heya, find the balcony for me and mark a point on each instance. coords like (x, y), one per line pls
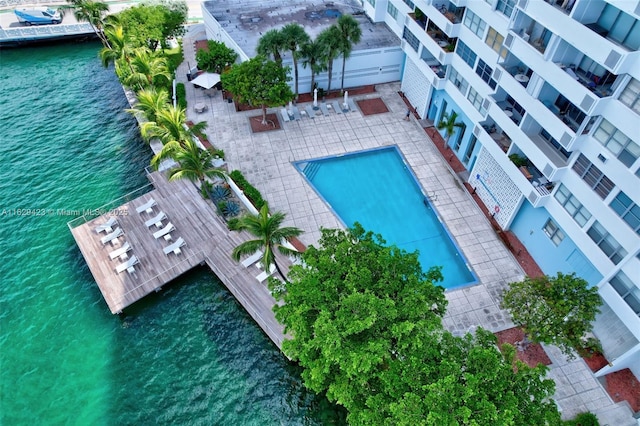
(561, 107)
(438, 69)
(448, 44)
(500, 137)
(516, 68)
(611, 23)
(509, 106)
(538, 181)
(420, 18)
(450, 11)
(532, 32)
(565, 6)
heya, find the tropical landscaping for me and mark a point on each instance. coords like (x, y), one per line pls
(365, 319)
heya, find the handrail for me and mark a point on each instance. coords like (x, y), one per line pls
(108, 207)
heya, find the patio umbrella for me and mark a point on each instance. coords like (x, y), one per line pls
(206, 80)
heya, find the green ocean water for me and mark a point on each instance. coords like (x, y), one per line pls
(187, 355)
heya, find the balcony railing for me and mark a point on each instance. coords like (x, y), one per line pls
(450, 11)
(447, 44)
(563, 5)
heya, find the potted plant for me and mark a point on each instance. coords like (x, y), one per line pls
(518, 160)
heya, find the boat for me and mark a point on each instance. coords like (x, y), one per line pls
(38, 16)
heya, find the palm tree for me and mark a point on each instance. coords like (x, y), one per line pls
(93, 12)
(295, 36)
(350, 34)
(311, 55)
(448, 123)
(271, 44)
(150, 102)
(148, 70)
(269, 236)
(330, 41)
(195, 164)
(119, 49)
(170, 126)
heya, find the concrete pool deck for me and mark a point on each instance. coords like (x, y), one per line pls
(266, 161)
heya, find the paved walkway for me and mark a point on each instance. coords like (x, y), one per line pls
(265, 159)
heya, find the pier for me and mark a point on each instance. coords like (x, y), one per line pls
(208, 241)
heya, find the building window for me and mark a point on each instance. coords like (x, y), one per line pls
(476, 100)
(372, 2)
(457, 80)
(411, 39)
(410, 4)
(555, 144)
(391, 10)
(554, 232)
(494, 41)
(629, 292)
(474, 23)
(506, 7)
(620, 145)
(485, 71)
(630, 96)
(592, 176)
(470, 148)
(609, 246)
(466, 53)
(571, 204)
(627, 210)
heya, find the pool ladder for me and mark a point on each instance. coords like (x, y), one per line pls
(431, 196)
(311, 169)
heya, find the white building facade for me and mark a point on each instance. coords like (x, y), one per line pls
(549, 94)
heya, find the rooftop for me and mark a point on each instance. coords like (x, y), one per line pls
(247, 20)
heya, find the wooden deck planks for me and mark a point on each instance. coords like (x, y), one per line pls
(207, 240)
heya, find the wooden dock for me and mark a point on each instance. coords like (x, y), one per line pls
(208, 241)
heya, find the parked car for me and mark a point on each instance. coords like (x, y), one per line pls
(38, 16)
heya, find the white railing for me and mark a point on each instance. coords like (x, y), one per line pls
(9, 4)
(44, 31)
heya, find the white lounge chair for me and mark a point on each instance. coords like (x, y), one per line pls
(337, 107)
(147, 207)
(352, 105)
(164, 232)
(106, 227)
(128, 265)
(175, 247)
(263, 276)
(112, 236)
(121, 252)
(323, 108)
(157, 220)
(252, 259)
(285, 114)
(310, 112)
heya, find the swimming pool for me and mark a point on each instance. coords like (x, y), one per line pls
(378, 189)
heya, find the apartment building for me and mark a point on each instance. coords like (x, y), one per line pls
(548, 92)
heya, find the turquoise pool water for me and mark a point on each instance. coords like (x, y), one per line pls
(379, 190)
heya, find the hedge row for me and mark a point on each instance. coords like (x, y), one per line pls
(252, 194)
(181, 95)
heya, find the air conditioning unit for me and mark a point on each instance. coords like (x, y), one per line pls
(508, 41)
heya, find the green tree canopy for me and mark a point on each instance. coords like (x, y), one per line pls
(258, 81)
(366, 326)
(271, 44)
(295, 36)
(350, 34)
(331, 44)
(152, 24)
(216, 58)
(556, 310)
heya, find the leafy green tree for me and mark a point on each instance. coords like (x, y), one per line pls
(271, 44)
(151, 25)
(149, 102)
(216, 58)
(270, 236)
(170, 126)
(148, 69)
(366, 327)
(93, 12)
(295, 36)
(311, 55)
(330, 41)
(118, 51)
(194, 163)
(258, 81)
(448, 123)
(350, 34)
(556, 310)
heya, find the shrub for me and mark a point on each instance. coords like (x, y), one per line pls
(181, 95)
(205, 189)
(249, 191)
(583, 419)
(231, 209)
(219, 193)
(218, 153)
(216, 57)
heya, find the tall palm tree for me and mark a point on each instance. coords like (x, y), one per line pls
(271, 44)
(311, 55)
(295, 36)
(269, 237)
(148, 70)
(170, 126)
(448, 123)
(330, 40)
(119, 49)
(350, 34)
(93, 12)
(195, 164)
(150, 102)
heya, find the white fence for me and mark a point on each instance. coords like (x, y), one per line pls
(43, 31)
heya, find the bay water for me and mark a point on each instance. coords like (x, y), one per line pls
(187, 355)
